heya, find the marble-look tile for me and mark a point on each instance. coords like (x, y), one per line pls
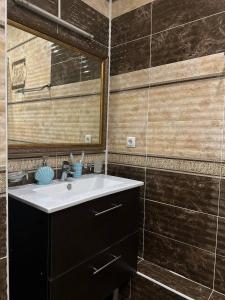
(124, 58)
(174, 281)
(220, 274)
(171, 13)
(2, 226)
(85, 17)
(128, 118)
(222, 198)
(144, 289)
(2, 63)
(198, 193)
(128, 172)
(2, 134)
(132, 25)
(193, 40)
(188, 261)
(130, 79)
(101, 6)
(186, 226)
(3, 282)
(2, 182)
(217, 296)
(185, 119)
(120, 7)
(50, 6)
(221, 237)
(187, 69)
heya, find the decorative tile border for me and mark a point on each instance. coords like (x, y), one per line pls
(15, 165)
(179, 165)
(2, 182)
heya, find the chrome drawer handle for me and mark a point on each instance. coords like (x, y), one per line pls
(107, 210)
(115, 258)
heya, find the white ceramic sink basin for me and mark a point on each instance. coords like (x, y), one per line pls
(60, 195)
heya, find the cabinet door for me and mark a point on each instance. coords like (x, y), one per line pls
(98, 277)
(82, 231)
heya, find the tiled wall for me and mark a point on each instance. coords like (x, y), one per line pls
(3, 250)
(168, 90)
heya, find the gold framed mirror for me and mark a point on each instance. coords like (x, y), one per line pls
(56, 94)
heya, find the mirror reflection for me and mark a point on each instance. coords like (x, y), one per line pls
(54, 92)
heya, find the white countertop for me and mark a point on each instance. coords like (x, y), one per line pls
(56, 196)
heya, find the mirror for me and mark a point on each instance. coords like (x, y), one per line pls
(55, 93)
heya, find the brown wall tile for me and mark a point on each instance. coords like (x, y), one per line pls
(183, 190)
(171, 13)
(132, 25)
(217, 296)
(193, 40)
(191, 262)
(221, 237)
(48, 5)
(3, 283)
(2, 226)
(220, 274)
(85, 17)
(130, 57)
(186, 226)
(222, 198)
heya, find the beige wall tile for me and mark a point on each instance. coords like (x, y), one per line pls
(128, 117)
(120, 7)
(2, 11)
(130, 79)
(185, 120)
(101, 6)
(201, 66)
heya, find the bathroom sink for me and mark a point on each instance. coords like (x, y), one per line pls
(60, 195)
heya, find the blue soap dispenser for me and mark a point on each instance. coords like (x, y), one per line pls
(45, 174)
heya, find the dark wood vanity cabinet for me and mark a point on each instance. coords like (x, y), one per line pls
(82, 252)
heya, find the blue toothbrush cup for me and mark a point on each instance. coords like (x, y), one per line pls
(78, 167)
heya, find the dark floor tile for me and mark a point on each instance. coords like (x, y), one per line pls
(222, 198)
(171, 13)
(2, 226)
(3, 282)
(140, 242)
(188, 191)
(220, 274)
(217, 296)
(48, 5)
(130, 57)
(144, 289)
(187, 226)
(132, 25)
(86, 18)
(129, 172)
(188, 261)
(178, 283)
(193, 40)
(221, 237)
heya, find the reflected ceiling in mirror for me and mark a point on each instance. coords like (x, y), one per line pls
(54, 92)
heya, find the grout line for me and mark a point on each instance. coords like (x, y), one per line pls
(184, 208)
(186, 244)
(190, 22)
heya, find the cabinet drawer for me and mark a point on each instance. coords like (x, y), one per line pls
(98, 277)
(82, 231)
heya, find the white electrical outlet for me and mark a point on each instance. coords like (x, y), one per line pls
(131, 142)
(88, 139)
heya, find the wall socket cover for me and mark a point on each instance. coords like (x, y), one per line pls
(87, 139)
(131, 142)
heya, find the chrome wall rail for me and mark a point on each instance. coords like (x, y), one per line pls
(53, 18)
